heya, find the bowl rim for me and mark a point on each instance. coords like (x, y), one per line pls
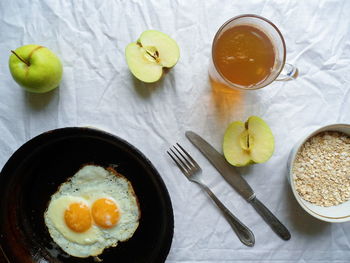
(294, 151)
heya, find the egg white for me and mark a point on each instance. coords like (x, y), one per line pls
(87, 185)
(55, 214)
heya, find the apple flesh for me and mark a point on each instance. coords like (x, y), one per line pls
(35, 68)
(152, 52)
(249, 142)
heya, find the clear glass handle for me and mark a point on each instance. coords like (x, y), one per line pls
(288, 72)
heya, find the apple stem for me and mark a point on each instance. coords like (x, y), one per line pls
(20, 58)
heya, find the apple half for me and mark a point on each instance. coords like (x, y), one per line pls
(249, 142)
(152, 52)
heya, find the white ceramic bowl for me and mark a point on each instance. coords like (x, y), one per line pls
(335, 214)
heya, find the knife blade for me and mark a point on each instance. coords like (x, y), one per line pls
(226, 170)
(237, 182)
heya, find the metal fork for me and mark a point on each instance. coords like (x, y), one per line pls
(192, 171)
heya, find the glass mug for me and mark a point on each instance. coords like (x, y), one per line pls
(249, 52)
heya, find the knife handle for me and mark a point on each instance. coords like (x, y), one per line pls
(243, 232)
(271, 219)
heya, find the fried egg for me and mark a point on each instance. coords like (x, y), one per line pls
(93, 210)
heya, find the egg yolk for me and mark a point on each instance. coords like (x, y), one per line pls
(105, 213)
(78, 217)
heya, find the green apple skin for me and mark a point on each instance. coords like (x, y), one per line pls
(248, 143)
(44, 72)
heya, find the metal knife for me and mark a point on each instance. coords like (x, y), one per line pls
(238, 183)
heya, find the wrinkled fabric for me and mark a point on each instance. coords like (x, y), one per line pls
(98, 90)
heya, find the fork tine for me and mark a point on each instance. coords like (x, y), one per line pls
(189, 156)
(184, 170)
(184, 165)
(189, 164)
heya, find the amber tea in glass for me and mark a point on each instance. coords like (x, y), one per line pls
(248, 52)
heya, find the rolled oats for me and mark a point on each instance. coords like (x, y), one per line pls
(321, 169)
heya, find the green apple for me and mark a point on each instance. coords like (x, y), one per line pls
(35, 68)
(249, 142)
(152, 52)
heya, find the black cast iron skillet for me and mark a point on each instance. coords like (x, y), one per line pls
(35, 171)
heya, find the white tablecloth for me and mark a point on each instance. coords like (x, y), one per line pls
(98, 90)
